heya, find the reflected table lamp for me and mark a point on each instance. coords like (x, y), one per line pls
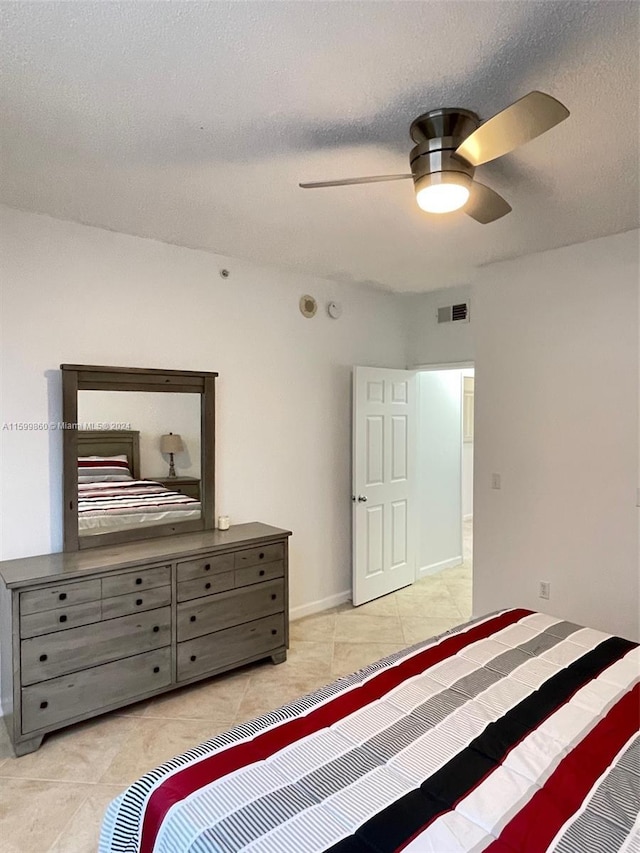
(171, 444)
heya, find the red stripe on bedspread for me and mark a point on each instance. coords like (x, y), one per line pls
(536, 825)
(208, 769)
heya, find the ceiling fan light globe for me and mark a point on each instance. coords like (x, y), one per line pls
(442, 192)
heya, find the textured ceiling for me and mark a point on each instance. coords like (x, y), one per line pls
(193, 122)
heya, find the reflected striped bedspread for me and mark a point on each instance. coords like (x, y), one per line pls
(516, 732)
(131, 496)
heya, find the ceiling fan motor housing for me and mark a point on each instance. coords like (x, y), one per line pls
(438, 133)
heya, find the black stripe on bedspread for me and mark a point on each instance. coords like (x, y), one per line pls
(393, 827)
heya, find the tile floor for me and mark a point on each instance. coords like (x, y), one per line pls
(52, 801)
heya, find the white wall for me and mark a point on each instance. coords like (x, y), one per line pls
(439, 472)
(77, 294)
(431, 342)
(556, 339)
(152, 414)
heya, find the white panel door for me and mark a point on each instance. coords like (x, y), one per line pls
(384, 439)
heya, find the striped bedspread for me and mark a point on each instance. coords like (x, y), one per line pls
(515, 733)
(130, 496)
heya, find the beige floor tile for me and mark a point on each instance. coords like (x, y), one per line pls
(417, 630)
(320, 626)
(459, 587)
(79, 753)
(440, 605)
(361, 628)
(265, 694)
(154, 741)
(33, 813)
(6, 750)
(424, 586)
(136, 710)
(304, 657)
(217, 698)
(349, 657)
(384, 606)
(81, 833)
(463, 573)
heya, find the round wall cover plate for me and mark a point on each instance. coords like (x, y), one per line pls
(308, 306)
(334, 309)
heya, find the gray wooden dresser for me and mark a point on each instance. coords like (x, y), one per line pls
(87, 632)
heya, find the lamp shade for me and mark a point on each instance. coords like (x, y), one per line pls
(171, 443)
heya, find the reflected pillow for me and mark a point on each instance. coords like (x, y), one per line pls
(103, 469)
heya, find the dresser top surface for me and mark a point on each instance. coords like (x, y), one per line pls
(65, 565)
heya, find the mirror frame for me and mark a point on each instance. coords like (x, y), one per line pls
(85, 377)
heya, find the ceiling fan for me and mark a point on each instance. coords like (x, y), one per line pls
(451, 143)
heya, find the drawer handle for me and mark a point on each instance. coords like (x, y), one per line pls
(63, 618)
(207, 566)
(43, 658)
(192, 619)
(193, 657)
(138, 581)
(207, 586)
(62, 596)
(274, 631)
(156, 669)
(44, 705)
(261, 572)
(273, 596)
(156, 628)
(261, 555)
(138, 601)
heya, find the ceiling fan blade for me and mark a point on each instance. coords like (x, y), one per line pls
(520, 123)
(345, 182)
(485, 205)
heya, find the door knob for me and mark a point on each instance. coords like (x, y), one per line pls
(362, 499)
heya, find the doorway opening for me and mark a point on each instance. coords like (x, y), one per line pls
(444, 500)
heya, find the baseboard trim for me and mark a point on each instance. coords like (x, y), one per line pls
(318, 606)
(434, 568)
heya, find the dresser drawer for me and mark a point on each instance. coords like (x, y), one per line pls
(135, 581)
(59, 619)
(204, 566)
(256, 556)
(59, 595)
(229, 608)
(259, 573)
(68, 651)
(230, 646)
(135, 602)
(205, 586)
(93, 689)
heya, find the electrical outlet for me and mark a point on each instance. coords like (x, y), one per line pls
(495, 481)
(545, 590)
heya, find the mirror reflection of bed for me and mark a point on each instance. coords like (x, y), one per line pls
(113, 493)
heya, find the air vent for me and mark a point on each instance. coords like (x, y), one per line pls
(454, 313)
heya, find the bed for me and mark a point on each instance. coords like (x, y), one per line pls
(517, 731)
(111, 494)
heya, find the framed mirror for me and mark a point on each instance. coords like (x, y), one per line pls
(138, 453)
